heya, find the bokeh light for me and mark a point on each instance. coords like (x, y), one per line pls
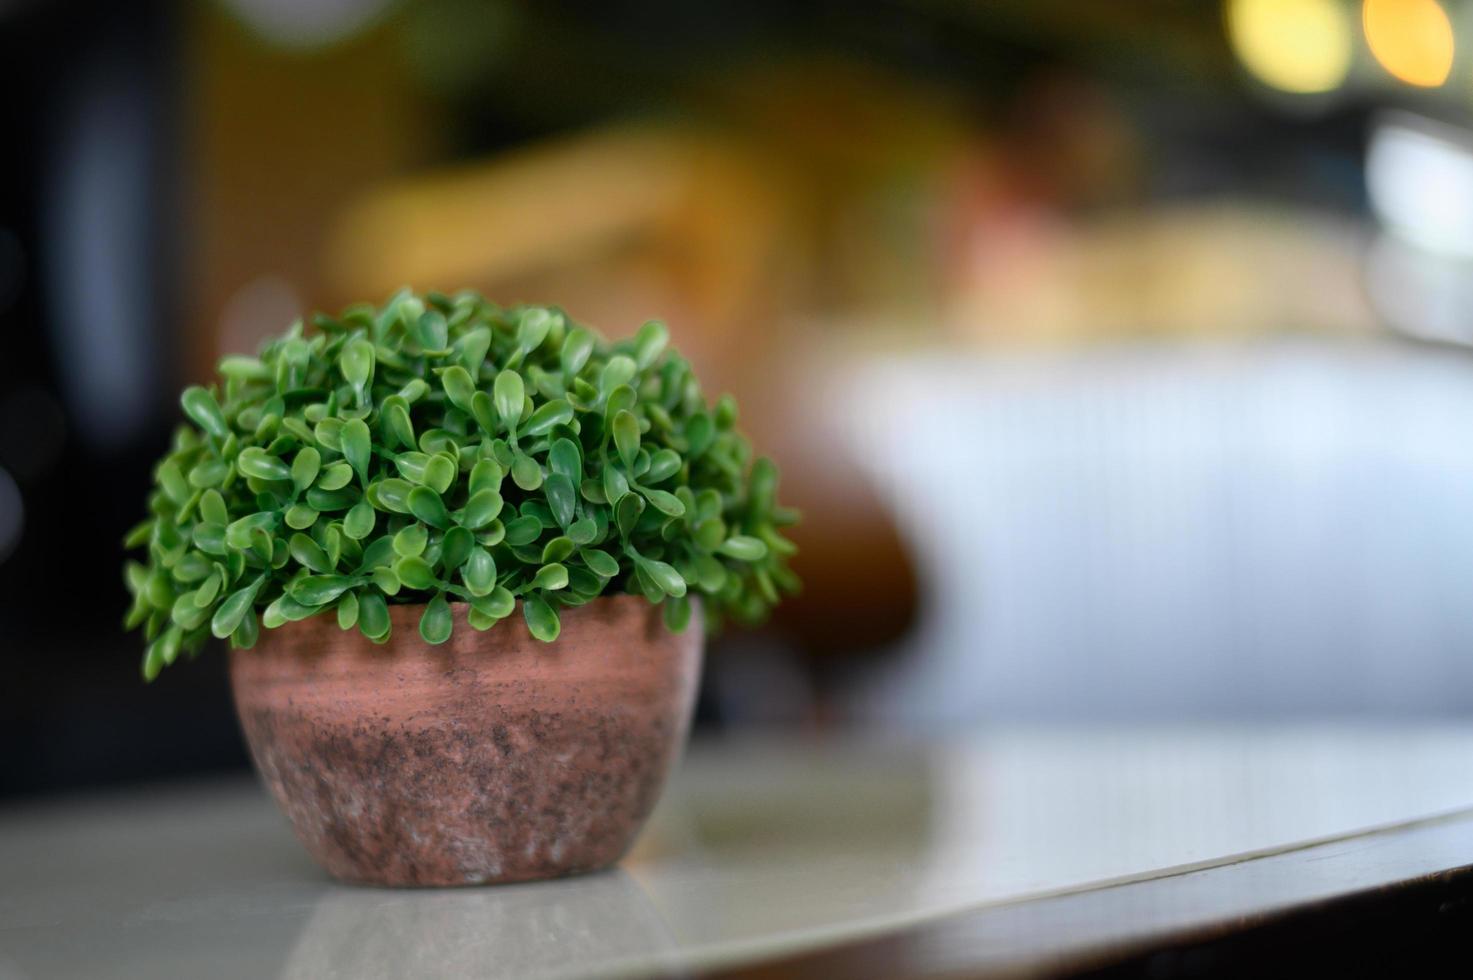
(1301, 46)
(1412, 39)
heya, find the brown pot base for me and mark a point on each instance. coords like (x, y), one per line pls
(490, 758)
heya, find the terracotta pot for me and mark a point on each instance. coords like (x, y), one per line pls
(490, 758)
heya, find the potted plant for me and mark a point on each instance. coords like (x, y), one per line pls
(463, 556)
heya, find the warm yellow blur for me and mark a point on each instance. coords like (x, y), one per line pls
(1301, 46)
(1412, 39)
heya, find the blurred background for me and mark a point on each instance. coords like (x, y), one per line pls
(1117, 353)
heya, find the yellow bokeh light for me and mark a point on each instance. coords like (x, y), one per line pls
(1294, 45)
(1413, 39)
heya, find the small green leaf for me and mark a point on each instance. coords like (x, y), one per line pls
(557, 549)
(481, 509)
(317, 590)
(479, 620)
(554, 413)
(577, 347)
(187, 613)
(238, 532)
(626, 436)
(153, 660)
(525, 473)
(356, 364)
(473, 346)
(329, 434)
(601, 563)
(230, 612)
(411, 540)
(523, 530)
(414, 389)
(209, 538)
(533, 329)
(335, 476)
(357, 446)
(202, 408)
(744, 548)
(459, 387)
(431, 331)
(583, 531)
(379, 551)
(622, 398)
(665, 503)
(493, 534)
(551, 577)
(487, 474)
(564, 457)
(583, 583)
(300, 517)
(212, 508)
(391, 494)
(240, 368)
(205, 594)
(663, 465)
(627, 513)
(395, 414)
(711, 575)
(285, 609)
(650, 343)
(247, 632)
(358, 524)
(542, 620)
(479, 572)
(497, 604)
(331, 501)
(373, 615)
(648, 587)
(699, 433)
(509, 394)
(562, 498)
(619, 370)
(725, 414)
(309, 554)
(483, 411)
(411, 465)
(386, 580)
(616, 485)
(209, 473)
(455, 548)
(709, 534)
(439, 472)
(436, 622)
(426, 505)
(664, 575)
(348, 611)
(255, 462)
(415, 573)
(677, 614)
(305, 467)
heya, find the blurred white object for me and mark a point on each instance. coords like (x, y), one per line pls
(1419, 273)
(1269, 529)
(1419, 175)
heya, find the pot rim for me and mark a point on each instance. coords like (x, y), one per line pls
(631, 612)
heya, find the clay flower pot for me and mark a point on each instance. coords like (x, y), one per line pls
(490, 758)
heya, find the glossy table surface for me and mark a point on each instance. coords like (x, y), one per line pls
(762, 847)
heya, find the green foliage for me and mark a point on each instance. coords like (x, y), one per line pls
(442, 449)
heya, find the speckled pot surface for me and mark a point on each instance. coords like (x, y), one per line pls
(490, 758)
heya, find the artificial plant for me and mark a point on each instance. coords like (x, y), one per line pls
(442, 448)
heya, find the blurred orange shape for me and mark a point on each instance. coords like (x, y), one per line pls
(1412, 39)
